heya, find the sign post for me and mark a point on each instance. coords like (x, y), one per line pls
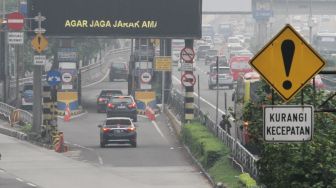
(39, 59)
(288, 123)
(15, 22)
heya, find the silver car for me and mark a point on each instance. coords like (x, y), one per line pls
(224, 77)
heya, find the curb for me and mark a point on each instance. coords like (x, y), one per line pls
(23, 136)
(200, 166)
(177, 128)
(177, 125)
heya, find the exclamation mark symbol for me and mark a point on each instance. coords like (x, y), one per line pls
(39, 42)
(287, 50)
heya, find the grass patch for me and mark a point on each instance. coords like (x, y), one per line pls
(211, 153)
(27, 128)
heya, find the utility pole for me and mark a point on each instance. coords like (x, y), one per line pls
(217, 90)
(37, 88)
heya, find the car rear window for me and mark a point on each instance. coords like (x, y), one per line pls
(121, 100)
(28, 87)
(118, 123)
(212, 52)
(221, 70)
(119, 65)
(111, 93)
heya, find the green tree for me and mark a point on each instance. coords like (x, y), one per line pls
(311, 164)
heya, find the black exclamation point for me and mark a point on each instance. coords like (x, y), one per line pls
(287, 50)
(39, 42)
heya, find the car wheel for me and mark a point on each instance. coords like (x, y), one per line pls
(102, 144)
(134, 144)
(135, 118)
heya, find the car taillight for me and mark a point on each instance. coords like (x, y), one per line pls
(110, 105)
(131, 129)
(101, 99)
(106, 130)
(133, 105)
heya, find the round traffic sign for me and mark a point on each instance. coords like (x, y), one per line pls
(188, 79)
(146, 77)
(188, 55)
(15, 21)
(66, 77)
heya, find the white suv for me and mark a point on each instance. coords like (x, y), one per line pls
(224, 77)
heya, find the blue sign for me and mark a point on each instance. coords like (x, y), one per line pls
(53, 77)
(262, 10)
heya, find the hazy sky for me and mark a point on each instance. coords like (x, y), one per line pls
(227, 5)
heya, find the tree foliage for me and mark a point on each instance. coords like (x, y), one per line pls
(311, 164)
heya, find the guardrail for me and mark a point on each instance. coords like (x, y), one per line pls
(238, 151)
(95, 71)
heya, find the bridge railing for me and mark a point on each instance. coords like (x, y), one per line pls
(238, 151)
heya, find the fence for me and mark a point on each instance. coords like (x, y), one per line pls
(238, 151)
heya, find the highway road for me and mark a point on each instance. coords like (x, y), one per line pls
(158, 161)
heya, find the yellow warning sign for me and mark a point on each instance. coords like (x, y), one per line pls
(163, 63)
(39, 43)
(287, 62)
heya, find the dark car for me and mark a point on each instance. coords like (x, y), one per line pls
(122, 106)
(211, 56)
(118, 71)
(104, 97)
(118, 130)
(27, 96)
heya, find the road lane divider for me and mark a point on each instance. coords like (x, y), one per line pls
(159, 130)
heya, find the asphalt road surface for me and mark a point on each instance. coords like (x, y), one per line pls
(158, 161)
(8, 180)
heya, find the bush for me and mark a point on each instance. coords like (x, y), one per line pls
(26, 128)
(212, 154)
(246, 180)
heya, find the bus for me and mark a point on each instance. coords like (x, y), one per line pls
(239, 66)
(246, 91)
(208, 30)
(325, 43)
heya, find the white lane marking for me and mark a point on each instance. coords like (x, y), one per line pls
(2, 171)
(158, 130)
(202, 99)
(33, 185)
(21, 180)
(100, 160)
(106, 75)
(90, 149)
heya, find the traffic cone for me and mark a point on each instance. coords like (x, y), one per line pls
(151, 114)
(67, 114)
